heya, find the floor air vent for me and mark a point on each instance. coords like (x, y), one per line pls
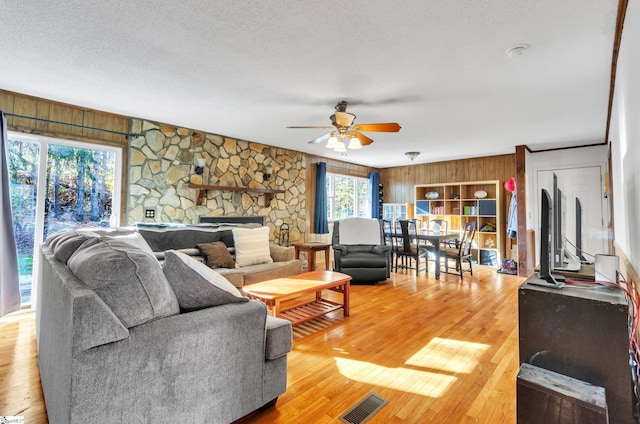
(364, 410)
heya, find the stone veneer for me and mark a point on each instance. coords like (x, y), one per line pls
(161, 164)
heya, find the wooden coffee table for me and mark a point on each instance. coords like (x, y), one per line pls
(274, 292)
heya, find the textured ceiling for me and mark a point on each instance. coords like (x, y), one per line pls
(250, 69)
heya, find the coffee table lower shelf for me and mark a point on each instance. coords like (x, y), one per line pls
(309, 311)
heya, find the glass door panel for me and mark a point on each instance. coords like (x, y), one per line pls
(24, 159)
(79, 188)
(57, 186)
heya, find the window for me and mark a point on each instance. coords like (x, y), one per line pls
(347, 196)
(58, 185)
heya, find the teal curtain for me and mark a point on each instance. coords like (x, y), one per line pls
(374, 186)
(320, 221)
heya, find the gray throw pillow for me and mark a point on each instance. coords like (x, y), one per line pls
(196, 285)
(217, 255)
(127, 278)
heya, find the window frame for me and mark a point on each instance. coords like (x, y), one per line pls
(331, 203)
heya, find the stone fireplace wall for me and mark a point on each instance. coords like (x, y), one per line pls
(162, 162)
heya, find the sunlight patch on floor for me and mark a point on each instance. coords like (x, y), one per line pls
(429, 372)
(454, 356)
(422, 383)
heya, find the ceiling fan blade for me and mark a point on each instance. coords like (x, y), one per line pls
(364, 140)
(320, 139)
(322, 128)
(388, 127)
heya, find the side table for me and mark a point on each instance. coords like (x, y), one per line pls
(311, 247)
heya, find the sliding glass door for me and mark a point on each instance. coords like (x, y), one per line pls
(58, 185)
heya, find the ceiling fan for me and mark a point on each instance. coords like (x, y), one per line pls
(344, 130)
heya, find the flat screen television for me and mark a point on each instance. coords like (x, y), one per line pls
(562, 259)
(579, 253)
(546, 244)
(557, 224)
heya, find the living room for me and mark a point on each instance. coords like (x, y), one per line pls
(230, 161)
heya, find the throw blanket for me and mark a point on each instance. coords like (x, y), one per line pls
(359, 231)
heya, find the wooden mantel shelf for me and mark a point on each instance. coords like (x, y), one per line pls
(201, 191)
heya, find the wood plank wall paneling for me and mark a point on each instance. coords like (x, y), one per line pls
(335, 166)
(525, 262)
(399, 182)
(21, 104)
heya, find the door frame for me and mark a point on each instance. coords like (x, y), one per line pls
(44, 143)
(537, 186)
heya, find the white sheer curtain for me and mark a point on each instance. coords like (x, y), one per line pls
(9, 276)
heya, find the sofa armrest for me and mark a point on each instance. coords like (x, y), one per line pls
(340, 249)
(381, 249)
(279, 337)
(281, 253)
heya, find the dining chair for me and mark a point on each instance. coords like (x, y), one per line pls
(437, 226)
(390, 238)
(407, 249)
(461, 252)
(397, 242)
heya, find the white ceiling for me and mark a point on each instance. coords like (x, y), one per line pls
(249, 69)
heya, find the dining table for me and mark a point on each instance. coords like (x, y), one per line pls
(434, 239)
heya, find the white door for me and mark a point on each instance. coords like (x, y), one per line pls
(585, 184)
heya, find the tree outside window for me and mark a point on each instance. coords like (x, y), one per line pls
(347, 196)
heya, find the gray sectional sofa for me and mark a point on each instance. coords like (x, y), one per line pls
(122, 338)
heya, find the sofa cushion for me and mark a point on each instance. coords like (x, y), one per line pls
(195, 252)
(136, 240)
(59, 237)
(282, 253)
(197, 286)
(216, 255)
(128, 279)
(252, 246)
(63, 248)
(233, 275)
(183, 238)
(363, 260)
(262, 272)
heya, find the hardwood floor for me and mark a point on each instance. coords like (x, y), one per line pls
(439, 351)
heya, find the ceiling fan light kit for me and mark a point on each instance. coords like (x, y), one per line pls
(343, 119)
(347, 132)
(340, 147)
(412, 155)
(355, 143)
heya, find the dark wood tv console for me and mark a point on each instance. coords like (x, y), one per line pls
(581, 332)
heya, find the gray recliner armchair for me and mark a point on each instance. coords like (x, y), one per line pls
(360, 251)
